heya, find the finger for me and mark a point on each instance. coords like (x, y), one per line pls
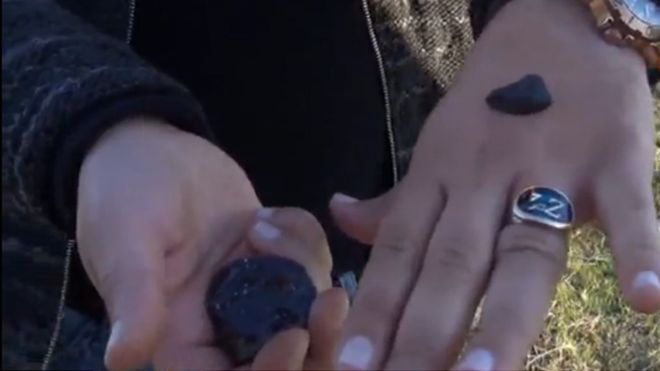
(360, 219)
(389, 275)
(269, 238)
(451, 282)
(529, 262)
(286, 351)
(129, 275)
(624, 203)
(300, 224)
(326, 319)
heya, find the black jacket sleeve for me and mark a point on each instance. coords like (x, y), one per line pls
(63, 84)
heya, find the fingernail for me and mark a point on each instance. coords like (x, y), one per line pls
(356, 353)
(266, 231)
(478, 360)
(645, 279)
(344, 199)
(265, 213)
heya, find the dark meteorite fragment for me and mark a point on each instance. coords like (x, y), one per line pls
(524, 97)
(252, 299)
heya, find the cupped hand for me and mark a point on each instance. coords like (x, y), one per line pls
(159, 212)
(443, 237)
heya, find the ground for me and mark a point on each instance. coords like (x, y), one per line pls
(589, 327)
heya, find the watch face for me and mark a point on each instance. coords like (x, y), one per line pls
(648, 11)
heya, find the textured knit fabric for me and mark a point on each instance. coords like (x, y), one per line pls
(56, 70)
(423, 44)
(59, 75)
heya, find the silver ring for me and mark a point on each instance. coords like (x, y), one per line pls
(544, 206)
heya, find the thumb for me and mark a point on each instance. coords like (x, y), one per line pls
(360, 219)
(132, 286)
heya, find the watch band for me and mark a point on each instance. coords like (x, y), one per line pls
(611, 29)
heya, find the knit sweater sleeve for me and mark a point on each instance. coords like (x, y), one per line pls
(64, 83)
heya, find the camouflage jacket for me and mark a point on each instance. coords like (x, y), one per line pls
(63, 59)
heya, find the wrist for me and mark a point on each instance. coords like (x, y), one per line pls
(156, 143)
(138, 127)
(142, 140)
(561, 31)
(135, 132)
(549, 20)
(543, 8)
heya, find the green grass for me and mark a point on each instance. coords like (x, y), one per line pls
(589, 326)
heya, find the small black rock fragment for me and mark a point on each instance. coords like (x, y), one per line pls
(252, 299)
(526, 96)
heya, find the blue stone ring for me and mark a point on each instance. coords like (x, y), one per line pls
(545, 206)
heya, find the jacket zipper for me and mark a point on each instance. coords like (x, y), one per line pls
(385, 90)
(70, 245)
(72, 242)
(131, 21)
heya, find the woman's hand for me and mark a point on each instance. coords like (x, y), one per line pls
(443, 238)
(159, 212)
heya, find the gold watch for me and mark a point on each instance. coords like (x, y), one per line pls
(634, 23)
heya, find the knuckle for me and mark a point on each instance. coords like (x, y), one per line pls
(460, 252)
(397, 248)
(513, 330)
(535, 242)
(302, 221)
(305, 217)
(398, 238)
(308, 227)
(380, 301)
